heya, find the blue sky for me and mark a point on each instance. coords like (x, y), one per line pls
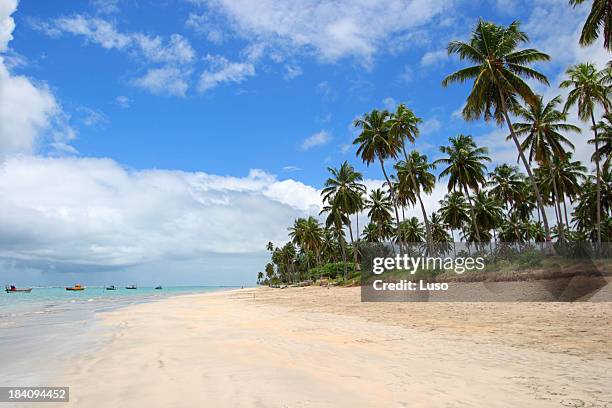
(216, 104)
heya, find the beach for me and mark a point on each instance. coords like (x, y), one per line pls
(320, 347)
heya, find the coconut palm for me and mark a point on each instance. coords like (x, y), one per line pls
(344, 188)
(487, 210)
(306, 233)
(543, 140)
(567, 176)
(335, 221)
(599, 17)
(604, 131)
(465, 168)
(498, 79)
(587, 92)
(505, 182)
(403, 124)
(371, 233)
(376, 143)
(454, 211)
(410, 231)
(379, 206)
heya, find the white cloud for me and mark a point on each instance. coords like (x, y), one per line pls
(221, 71)
(106, 6)
(175, 53)
(407, 74)
(318, 139)
(164, 81)
(123, 101)
(91, 117)
(434, 57)
(288, 169)
(73, 212)
(330, 31)
(176, 49)
(389, 103)
(28, 110)
(7, 24)
(292, 71)
(430, 126)
(203, 24)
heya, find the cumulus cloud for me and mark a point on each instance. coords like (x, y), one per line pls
(69, 212)
(221, 70)
(318, 139)
(330, 31)
(7, 24)
(21, 129)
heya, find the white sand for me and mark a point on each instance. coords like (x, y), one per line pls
(315, 347)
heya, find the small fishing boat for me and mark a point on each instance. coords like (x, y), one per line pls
(13, 289)
(158, 287)
(76, 287)
(111, 287)
(131, 287)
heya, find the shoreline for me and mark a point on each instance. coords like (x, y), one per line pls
(320, 347)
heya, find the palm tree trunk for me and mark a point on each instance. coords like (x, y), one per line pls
(534, 185)
(560, 226)
(352, 243)
(565, 211)
(393, 197)
(417, 191)
(467, 194)
(598, 174)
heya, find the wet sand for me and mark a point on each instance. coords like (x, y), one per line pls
(319, 347)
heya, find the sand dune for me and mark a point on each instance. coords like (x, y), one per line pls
(317, 347)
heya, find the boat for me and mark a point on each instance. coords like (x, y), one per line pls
(111, 287)
(76, 287)
(158, 287)
(13, 289)
(131, 287)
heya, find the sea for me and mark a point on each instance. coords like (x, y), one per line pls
(40, 330)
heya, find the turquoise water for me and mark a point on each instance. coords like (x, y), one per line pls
(41, 330)
(14, 307)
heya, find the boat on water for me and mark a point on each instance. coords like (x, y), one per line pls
(13, 289)
(111, 287)
(76, 287)
(131, 287)
(158, 287)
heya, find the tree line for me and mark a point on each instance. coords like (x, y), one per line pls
(481, 205)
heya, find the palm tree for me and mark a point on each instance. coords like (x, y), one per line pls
(410, 231)
(505, 182)
(344, 188)
(306, 233)
(487, 210)
(376, 143)
(379, 206)
(604, 131)
(544, 141)
(335, 221)
(454, 211)
(568, 175)
(600, 16)
(465, 168)
(588, 91)
(403, 124)
(371, 233)
(498, 79)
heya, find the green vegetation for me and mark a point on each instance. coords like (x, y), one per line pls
(482, 206)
